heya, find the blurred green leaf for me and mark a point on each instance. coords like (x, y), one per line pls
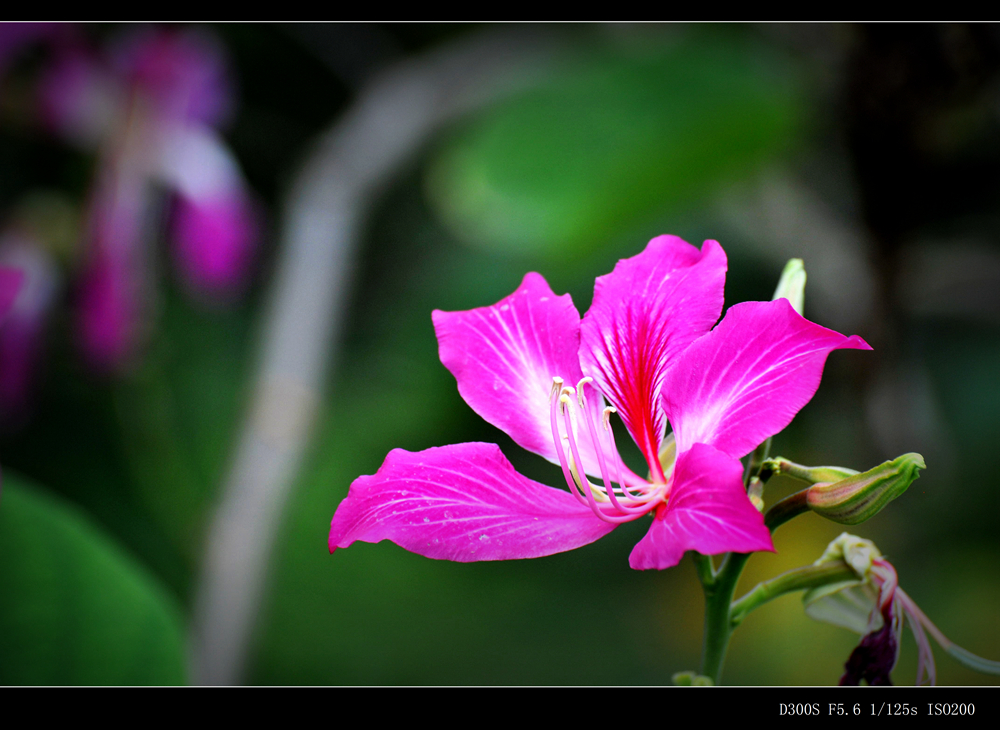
(616, 138)
(74, 608)
(178, 415)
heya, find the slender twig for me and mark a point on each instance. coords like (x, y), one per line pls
(781, 512)
(810, 576)
(323, 217)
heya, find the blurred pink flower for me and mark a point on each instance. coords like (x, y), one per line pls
(184, 74)
(23, 319)
(148, 107)
(110, 312)
(210, 242)
(646, 345)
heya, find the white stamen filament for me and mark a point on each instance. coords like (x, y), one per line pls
(599, 448)
(557, 439)
(572, 465)
(640, 498)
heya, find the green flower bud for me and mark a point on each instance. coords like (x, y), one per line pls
(810, 474)
(860, 496)
(792, 284)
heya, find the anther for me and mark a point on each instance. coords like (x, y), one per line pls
(579, 390)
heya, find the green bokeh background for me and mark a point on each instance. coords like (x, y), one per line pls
(109, 487)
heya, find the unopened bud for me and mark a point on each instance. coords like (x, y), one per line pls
(810, 474)
(853, 500)
(792, 284)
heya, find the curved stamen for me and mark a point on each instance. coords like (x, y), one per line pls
(618, 459)
(557, 387)
(910, 606)
(588, 489)
(925, 656)
(600, 453)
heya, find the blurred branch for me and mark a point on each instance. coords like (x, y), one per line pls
(323, 220)
(788, 220)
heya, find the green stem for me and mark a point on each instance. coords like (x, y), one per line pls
(718, 624)
(809, 576)
(706, 571)
(757, 458)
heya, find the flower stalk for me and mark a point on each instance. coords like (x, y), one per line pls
(804, 578)
(718, 622)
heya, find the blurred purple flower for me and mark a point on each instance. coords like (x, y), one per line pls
(214, 225)
(184, 74)
(148, 107)
(27, 289)
(210, 242)
(111, 299)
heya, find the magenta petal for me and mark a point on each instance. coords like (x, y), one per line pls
(215, 242)
(109, 314)
(747, 378)
(505, 356)
(462, 502)
(645, 313)
(708, 511)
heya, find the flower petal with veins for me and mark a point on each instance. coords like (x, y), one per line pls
(645, 314)
(463, 502)
(707, 511)
(746, 379)
(505, 356)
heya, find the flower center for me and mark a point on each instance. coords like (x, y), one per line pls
(610, 503)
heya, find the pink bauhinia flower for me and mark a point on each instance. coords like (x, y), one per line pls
(531, 367)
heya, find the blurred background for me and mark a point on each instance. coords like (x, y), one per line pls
(233, 238)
